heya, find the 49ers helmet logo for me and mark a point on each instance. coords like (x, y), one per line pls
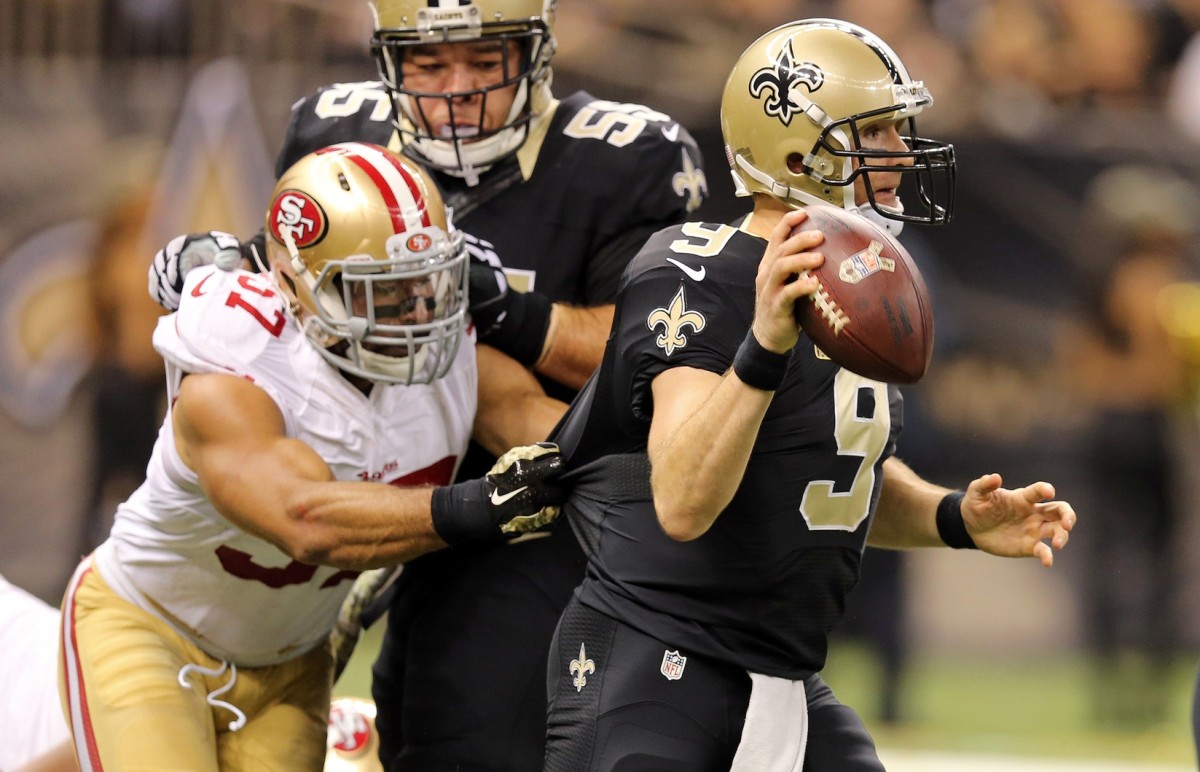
(297, 214)
(419, 242)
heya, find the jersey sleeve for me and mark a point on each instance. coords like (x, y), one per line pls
(235, 323)
(340, 112)
(666, 319)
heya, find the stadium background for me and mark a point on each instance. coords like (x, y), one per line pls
(102, 101)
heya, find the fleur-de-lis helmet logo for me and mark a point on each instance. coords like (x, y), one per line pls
(774, 84)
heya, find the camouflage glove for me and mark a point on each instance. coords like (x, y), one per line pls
(344, 635)
(516, 496)
(182, 254)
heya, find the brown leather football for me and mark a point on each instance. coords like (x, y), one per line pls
(872, 314)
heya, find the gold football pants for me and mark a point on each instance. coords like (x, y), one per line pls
(119, 677)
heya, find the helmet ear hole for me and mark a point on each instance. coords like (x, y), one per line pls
(795, 163)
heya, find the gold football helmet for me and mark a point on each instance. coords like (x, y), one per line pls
(793, 108)
(401, 25)
(359, 240)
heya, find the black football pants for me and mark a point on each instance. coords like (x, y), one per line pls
(460, 682)
(620, 714)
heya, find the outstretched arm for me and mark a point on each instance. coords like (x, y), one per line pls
(1021, 522)
(231, 433)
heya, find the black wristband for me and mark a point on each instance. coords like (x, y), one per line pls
(521, 333)
(460, 512)
(758, 367)
(950, 524)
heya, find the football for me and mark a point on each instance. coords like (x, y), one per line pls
(872, 313)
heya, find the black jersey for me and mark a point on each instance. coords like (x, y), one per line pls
(765, 585)
(607, 175)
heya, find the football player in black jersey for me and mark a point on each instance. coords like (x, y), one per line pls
(728, 474)
(563, 192)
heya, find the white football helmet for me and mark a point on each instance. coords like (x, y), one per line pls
(360, 241)
(792, 110)
(401, 25)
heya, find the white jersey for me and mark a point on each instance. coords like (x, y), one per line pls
(171, 552)
(31, 715)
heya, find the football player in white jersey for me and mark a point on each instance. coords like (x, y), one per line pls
(314, 407)
(562, 190)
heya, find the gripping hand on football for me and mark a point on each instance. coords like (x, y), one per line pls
(514, 322)
(1021, 522)
(517, 495)
(183, 253)
(783, 279)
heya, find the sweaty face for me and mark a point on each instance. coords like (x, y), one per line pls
(465, 82)
(882, 135)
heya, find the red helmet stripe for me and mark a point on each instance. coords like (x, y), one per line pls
(399, 190)
(413, 188)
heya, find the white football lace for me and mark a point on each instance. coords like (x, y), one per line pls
(211, 697)
(828, 308)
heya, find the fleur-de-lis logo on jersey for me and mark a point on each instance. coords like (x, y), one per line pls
(673, 319)
(778, 81)
(690, 182)
(580, 668)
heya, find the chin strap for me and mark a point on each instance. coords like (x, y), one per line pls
(893, 227)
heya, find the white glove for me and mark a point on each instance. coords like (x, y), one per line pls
(182, 254)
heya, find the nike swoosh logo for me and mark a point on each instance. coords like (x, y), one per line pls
(695, 274)
(196, 290)
(498, 499)
(671, 132)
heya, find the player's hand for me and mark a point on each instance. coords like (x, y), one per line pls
(514, 322)
(488, 293)
(782, 280)
(1023, 522)
(517, 495)
(523, 495)
(183, 253)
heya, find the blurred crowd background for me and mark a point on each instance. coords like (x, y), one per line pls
(1068, 325)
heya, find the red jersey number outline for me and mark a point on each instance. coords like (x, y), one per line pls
(258, 286)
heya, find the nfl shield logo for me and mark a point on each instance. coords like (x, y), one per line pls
(672, 665)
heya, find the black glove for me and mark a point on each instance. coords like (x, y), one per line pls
(515, 496)
(183, 253)
(514, 322)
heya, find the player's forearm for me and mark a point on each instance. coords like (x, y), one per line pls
(574, 343)
(523, 421)
(907, 508)
(513, 408)
(697, 468)
(357, 526)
